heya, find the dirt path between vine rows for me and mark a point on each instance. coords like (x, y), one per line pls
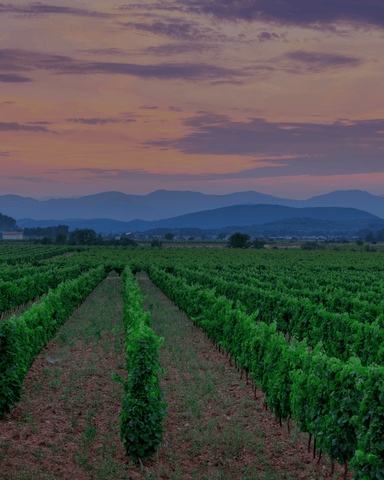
(215, 429)
(67, 423)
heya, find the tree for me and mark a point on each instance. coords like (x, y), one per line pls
(47, 240)
(156, 242)
(61, 238)
(128, 242)
(239, 240)
(309, 246)
(257, 243)
(169, 236)
(85, 236)
(370, 236)
(360, 242)
(221, 236)
(380, 235)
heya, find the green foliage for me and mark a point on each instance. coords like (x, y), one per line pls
(156, 242)
(47, 241)
(312, 246)
(125, 241)
(317, 390)
(61, 238)
(45, 232)
(85, 236)
(238, 240)
(143, 409)
(169, 236)
(22, 338)
(257, 243)
(7, 223)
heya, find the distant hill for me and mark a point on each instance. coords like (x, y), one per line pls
(163, 204)
(252, 215)
(239, 215)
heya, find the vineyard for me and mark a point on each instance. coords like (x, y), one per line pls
(303, 328)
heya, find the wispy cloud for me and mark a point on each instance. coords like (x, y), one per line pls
(5, 154)
(293, 62)
(175, 29)
(10, 78)
(38, 9)
(309, 165)
(16, 127)
(169, 49)
(320, 15)
(103, 51)
(59, 64)
(39, 123)
(99, 121)
(219, 135)
(32, 179)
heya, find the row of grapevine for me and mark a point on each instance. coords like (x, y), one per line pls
(364, 302)
(143, 409)
(22, 338)
(342, 336)
(21, 291)
(339, 403)
(27, 254)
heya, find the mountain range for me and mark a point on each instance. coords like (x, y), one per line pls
(163, 204)
(219, 218)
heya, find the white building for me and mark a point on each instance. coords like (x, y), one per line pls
(12, 235)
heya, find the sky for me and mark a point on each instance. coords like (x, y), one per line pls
(283, 97)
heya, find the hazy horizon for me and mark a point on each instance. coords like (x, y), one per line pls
(48, 197)
(280, 97)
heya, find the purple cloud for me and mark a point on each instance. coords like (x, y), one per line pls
(180, 49)
(11, 78)
(319, 15)
(103, 51)
(38, 8)
(16, 127)
(99, 121)
(298, 62)
(39, 123)
(361, 140)
(174, 29)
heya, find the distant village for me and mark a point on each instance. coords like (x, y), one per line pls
(19, 235)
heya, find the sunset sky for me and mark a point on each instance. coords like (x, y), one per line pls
(284, 97)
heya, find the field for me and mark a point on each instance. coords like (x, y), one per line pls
(271, 362)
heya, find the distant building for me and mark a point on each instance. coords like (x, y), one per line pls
(12, 235)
